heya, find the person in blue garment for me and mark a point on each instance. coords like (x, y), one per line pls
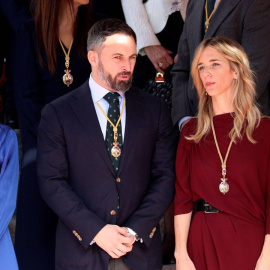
(59, 28)
(9, 173)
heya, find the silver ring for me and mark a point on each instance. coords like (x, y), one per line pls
(160, 64)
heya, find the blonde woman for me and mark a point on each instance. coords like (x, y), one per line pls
(223, 163)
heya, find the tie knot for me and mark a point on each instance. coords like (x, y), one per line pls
(112, 97)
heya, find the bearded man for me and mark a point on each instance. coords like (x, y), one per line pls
(106, 162)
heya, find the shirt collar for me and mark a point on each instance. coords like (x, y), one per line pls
(98, 92)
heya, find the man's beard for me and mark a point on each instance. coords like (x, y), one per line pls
(113, 83)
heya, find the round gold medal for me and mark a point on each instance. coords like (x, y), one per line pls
(116, 151)
(67, 79)
(224, 187)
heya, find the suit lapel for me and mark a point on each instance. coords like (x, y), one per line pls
(197, 20)
(134, 112)
(223, 10)
(84, 109)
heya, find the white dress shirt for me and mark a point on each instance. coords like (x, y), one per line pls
(98, 92)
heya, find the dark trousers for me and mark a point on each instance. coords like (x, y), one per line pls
(118, 264)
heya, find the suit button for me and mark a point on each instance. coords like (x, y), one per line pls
(113, 212)
(118, 180)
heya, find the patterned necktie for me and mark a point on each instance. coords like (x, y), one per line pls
(113, 114)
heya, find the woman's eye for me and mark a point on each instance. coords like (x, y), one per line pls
(201, 68)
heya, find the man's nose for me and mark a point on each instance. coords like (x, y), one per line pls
(126, 65)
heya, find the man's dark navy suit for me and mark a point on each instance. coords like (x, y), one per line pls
(79, 183)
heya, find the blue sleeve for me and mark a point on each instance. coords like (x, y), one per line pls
(9, 163)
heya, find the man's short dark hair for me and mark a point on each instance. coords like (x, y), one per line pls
(105, 28)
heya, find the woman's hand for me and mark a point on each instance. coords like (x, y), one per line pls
(159, 56)
(263, 263)
(181, 227)
(184, 264)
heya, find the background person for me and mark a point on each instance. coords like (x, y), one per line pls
(39, 66)
(9, 164)
(245, 21)
(158, 25)
(223, 159)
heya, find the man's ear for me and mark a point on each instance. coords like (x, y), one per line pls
(92, 58)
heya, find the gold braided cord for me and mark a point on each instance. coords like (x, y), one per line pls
(208, 19)
(114, 126)
(223, 162)
(66, 53)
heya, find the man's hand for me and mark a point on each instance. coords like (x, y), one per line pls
(114, 240)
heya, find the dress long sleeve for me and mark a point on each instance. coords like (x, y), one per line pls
(8, 176)
(183, 198)
(267, 198)
(137, 19)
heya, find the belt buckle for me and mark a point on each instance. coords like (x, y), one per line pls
(205, 205)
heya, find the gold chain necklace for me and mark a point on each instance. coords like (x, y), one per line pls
(115, 151)
(67, 78)
(208, 18)
(223, 186)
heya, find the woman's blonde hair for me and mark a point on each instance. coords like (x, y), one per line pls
(247, 115)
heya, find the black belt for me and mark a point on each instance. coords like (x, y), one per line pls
(202, 205)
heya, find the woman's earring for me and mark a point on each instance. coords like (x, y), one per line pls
(206, 93)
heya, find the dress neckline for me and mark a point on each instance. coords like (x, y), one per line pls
(224, 120)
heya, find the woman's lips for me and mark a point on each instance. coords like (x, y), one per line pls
(209, 84)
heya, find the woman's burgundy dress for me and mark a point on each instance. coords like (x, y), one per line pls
(233, 238)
